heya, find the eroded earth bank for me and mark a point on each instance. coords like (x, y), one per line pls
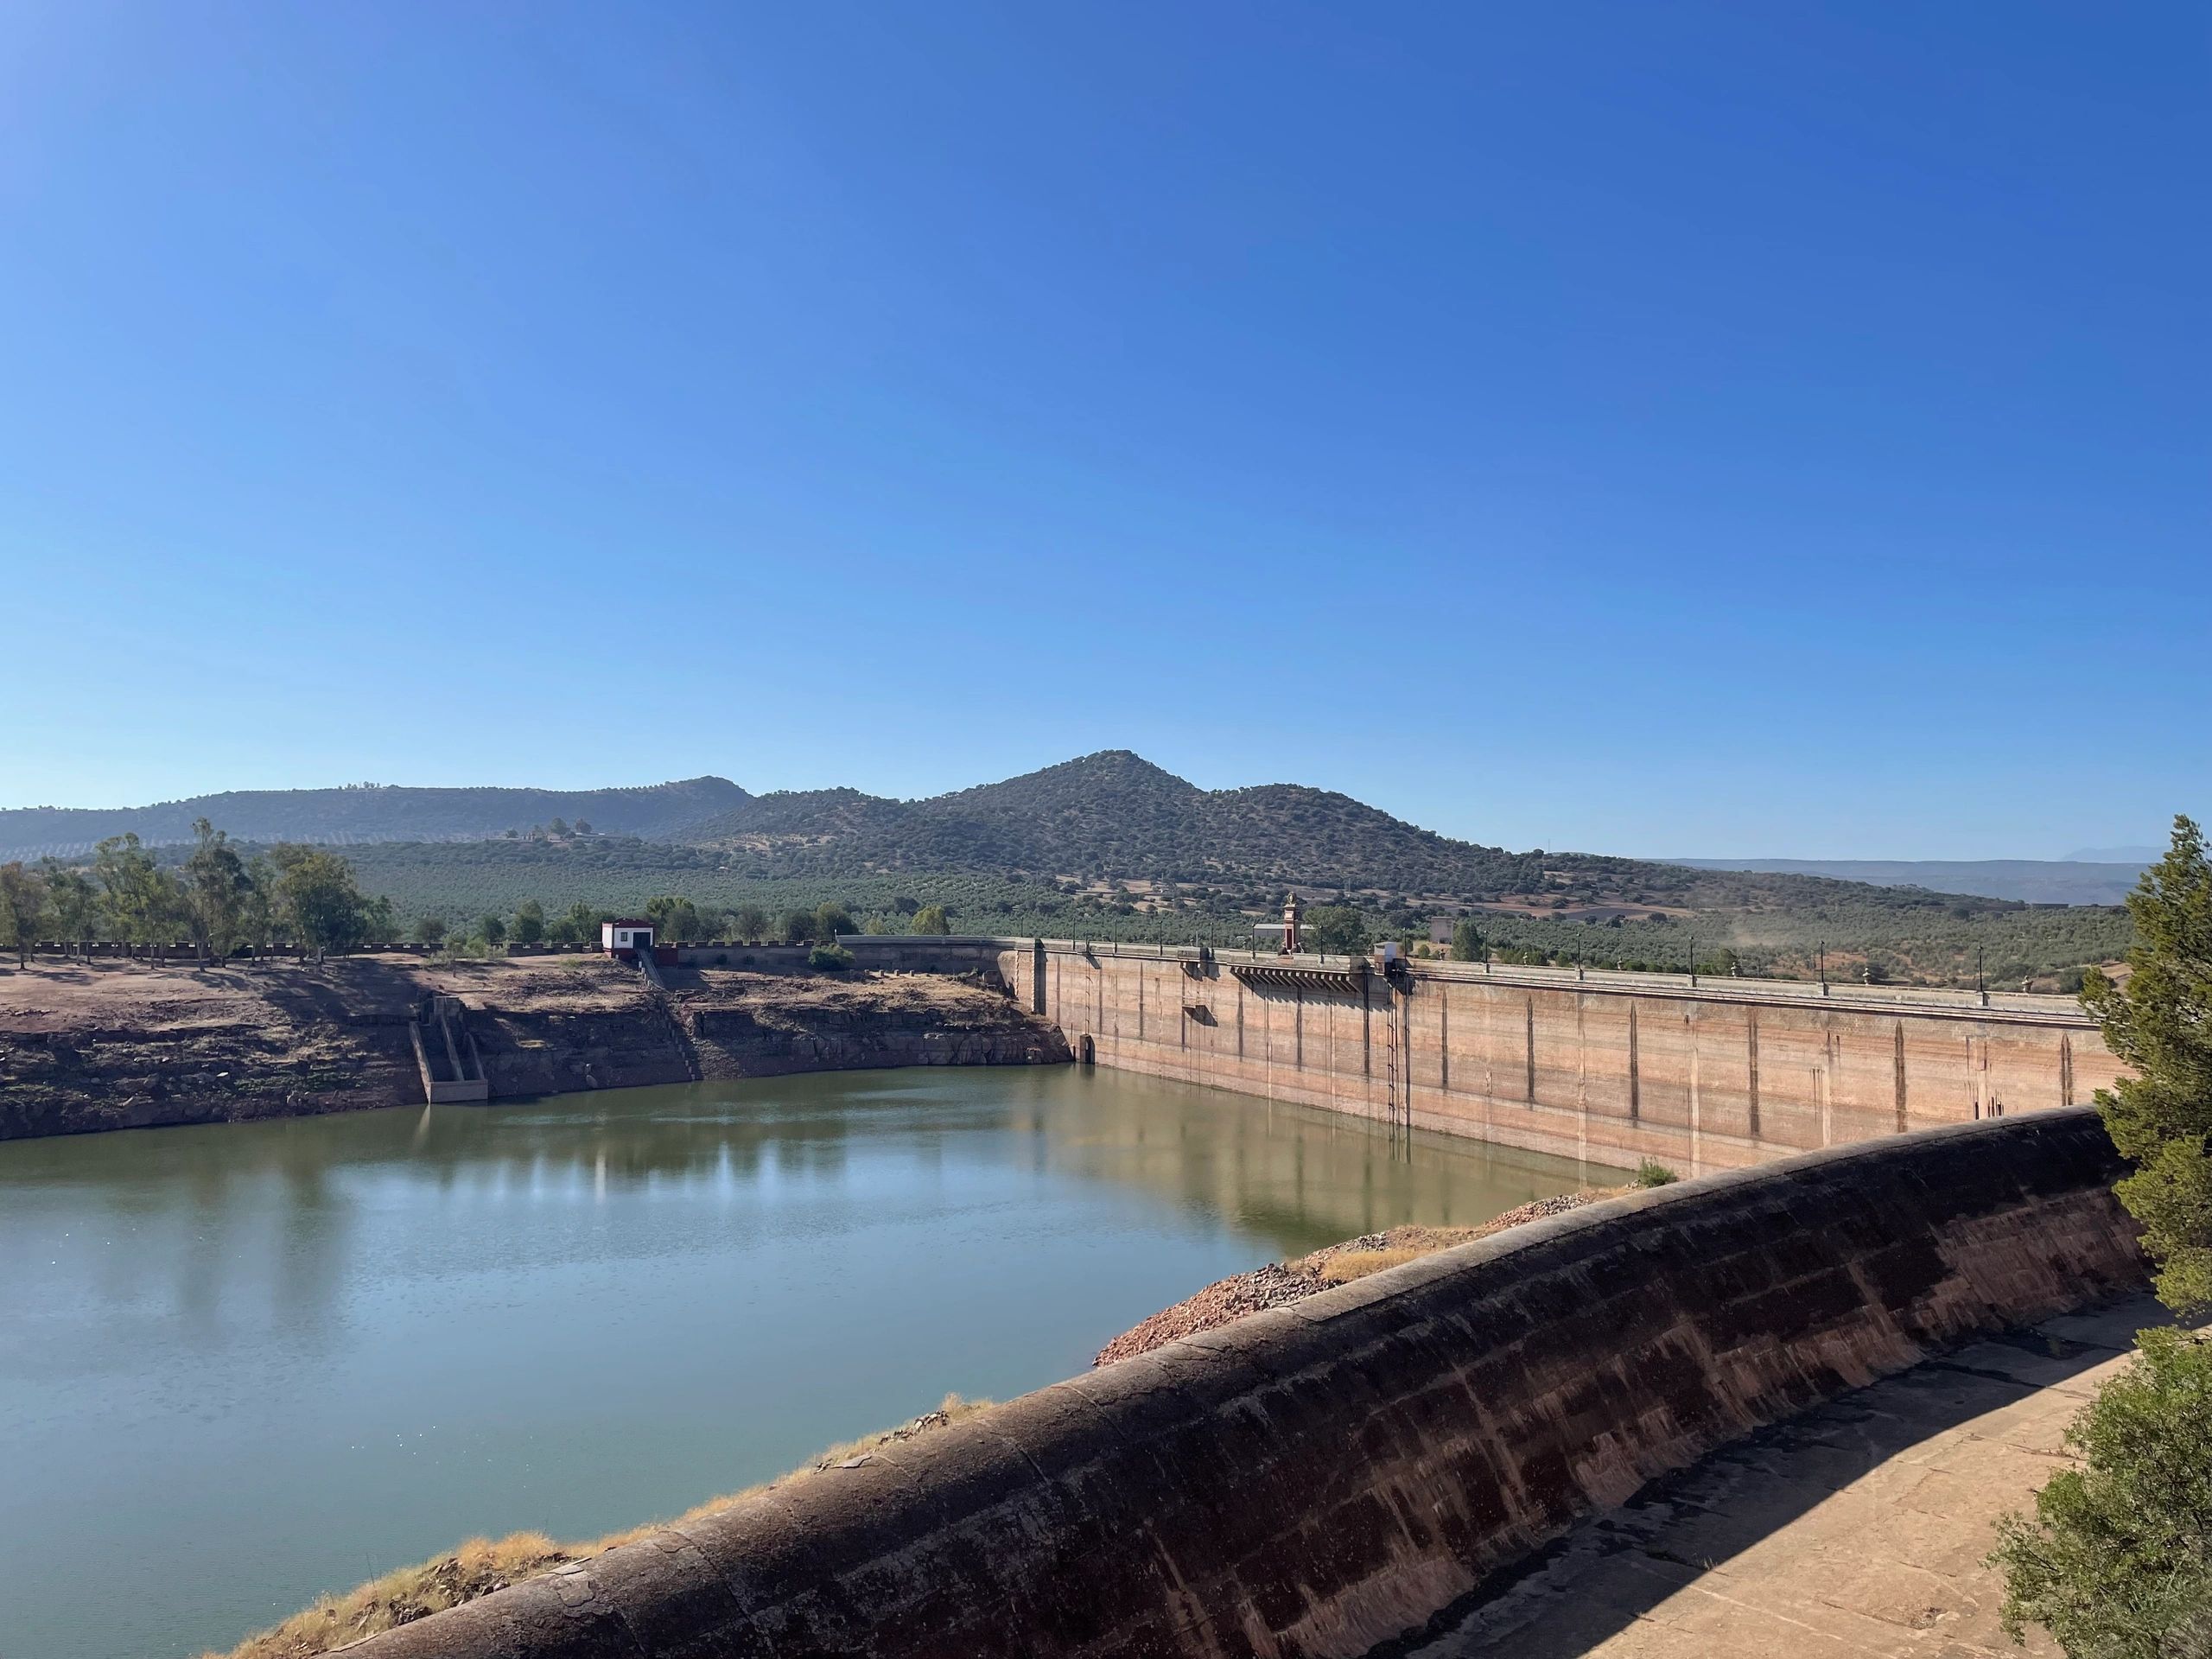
(121, 1045)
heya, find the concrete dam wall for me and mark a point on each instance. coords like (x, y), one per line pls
(1701, 1075)
(1326, 1478)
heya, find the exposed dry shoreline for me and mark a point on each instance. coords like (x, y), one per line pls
(1281, 1283)
(108, 1043)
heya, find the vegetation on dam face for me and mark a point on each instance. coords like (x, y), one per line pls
(1107, 846)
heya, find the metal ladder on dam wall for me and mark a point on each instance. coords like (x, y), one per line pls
(1396, 1078)
(446, 1053)
(650, 969)
(1397, 1060)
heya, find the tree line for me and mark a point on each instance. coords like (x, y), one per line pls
(679, 920)
(220, 898)
(225, 898)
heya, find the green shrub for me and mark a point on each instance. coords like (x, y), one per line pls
(2158, 1021)
(1337, 931)
(1651, 1172)
(829, 957)
(2117, 1561)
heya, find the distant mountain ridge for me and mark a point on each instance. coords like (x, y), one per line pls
(370, 813)
(1112, 816)
(1116, 815)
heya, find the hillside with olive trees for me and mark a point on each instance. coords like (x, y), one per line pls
(1110, 845)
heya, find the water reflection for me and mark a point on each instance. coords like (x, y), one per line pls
(1302, 1177)
(242, 1365)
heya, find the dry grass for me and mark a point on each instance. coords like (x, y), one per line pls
(481, 1565)
(1357, 1264)
(477, 1568)
(1339, 1264)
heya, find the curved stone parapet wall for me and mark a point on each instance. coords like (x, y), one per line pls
(1321, 1479)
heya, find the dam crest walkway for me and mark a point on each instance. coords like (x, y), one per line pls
(1859, 1530)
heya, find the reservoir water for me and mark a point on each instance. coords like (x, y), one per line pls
(244, 1364)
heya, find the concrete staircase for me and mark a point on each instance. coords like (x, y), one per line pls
(445, 1053)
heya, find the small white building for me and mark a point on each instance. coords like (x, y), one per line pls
(626, 938)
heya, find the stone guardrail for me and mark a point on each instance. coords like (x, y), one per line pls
(1324, 1478)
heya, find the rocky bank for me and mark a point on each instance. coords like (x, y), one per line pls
(121, 1045)
(1281, 1283)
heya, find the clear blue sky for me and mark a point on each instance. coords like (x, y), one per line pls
(1687, 429)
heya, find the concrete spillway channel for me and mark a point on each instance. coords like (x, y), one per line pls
(446, 1053)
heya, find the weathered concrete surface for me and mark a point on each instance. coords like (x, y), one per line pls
(1862, 1528)
(1614, 1067)
(1321, 1479)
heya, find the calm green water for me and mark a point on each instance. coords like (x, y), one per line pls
(245, 1364)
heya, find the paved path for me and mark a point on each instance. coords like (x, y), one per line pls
(1857, 1529)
